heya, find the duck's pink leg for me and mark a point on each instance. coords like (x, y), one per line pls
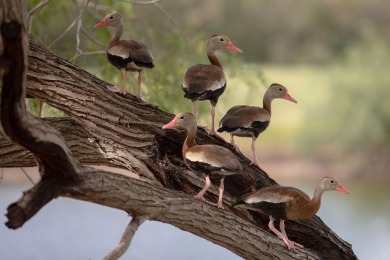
(115, 88)
(212, 131)
(221, 189)
(253, 147)
(194, 108)
(207, 185)
(278, 233)
(232, 142)
(292, 243)
(203, 191)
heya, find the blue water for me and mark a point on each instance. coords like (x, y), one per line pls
(71, 229)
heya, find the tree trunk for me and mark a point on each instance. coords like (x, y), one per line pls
(124, 132)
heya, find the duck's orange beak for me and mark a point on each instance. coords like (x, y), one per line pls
(341, 188)
(171, 124)
(289, 98)
(230, 46)
(103, 23)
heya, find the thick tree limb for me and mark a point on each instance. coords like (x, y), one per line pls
(82, 146)
(19, 126)
(52, 154)
(185, 212)
(128, 133)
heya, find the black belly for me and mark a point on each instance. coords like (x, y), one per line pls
(277, 210)
(205, 169)
(254, 130)
(120, 63)
(211, 95)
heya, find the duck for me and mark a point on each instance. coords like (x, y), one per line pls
(210, 161)
(288, 203)
(125, 55)
(208, 81)
(250, 121)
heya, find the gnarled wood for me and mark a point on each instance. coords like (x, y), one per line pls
(82, 146)
(128, 134)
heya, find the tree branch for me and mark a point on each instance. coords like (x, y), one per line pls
(83, 146)
(79, 17)
(37, 8)
(128, 132)
(123, 124)
(128, 235)
(222, 227)
(51, 152)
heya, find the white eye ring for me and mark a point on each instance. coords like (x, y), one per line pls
(111, 17)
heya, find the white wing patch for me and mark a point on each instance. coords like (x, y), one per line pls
(200, 157)
(214, 86)
(119, 51)
(185, 84)
(217, 85)
(195, 157)
(268, 197)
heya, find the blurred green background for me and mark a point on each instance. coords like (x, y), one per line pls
(334, 57)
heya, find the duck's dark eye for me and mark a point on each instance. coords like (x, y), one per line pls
(182, 117)
(280, 89)
(221, 39)
(332, 181)
(111, 17)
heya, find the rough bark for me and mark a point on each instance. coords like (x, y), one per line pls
(82, 146)
(127, 133)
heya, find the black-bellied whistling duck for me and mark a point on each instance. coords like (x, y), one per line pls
(207, 81)
(126, 55)
(250, 121)
(208, 160)
(280, 202)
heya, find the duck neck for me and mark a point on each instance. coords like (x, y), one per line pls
(316, 200)
(118, 33)
(267, 100)
(190, 139)
(212, 55)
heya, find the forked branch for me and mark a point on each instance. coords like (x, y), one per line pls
(128, 134)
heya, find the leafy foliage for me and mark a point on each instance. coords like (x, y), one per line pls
(342, 99)
(362, 80)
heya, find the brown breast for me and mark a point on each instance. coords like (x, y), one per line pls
(203, 77)
(214, 155)
(244, 116)
(133, 50)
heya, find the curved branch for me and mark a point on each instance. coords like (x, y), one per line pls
(141, 2)
(174, 23)
(183, 211)
(128, 132)
(72, 24)
(128, 235)
(83, 146)
(36, 8)
(17, 124)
